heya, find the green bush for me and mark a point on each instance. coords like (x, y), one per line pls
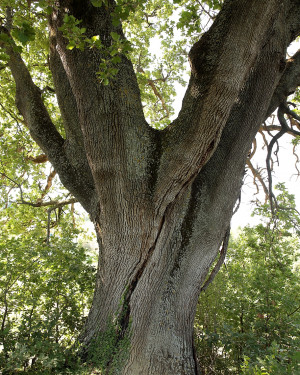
(45, 294)
(248, 319)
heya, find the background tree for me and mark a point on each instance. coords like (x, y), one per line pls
(252, 309)
(44, 292)
(161, 201)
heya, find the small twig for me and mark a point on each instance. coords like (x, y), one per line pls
(253, 149)
(212, 17)
(73, 216)
(151, 83)
(283, 208)
(17, 119)
(256, 174)
(290, 112)
(270, 128)
(49, 211)
(16, 183)
(297, 160)
(264, 138)
(48, 88)
(293, 312)
(219, 262)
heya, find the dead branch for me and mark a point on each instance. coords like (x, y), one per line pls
(48, 185)
(285, 128)
(58, 205)
(253, 149)
(264, 137)
(38, 159)
(256, 175)
(297, 160)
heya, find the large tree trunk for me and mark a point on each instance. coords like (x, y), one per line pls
(161, 202)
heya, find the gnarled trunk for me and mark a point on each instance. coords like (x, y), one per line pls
(153, 297)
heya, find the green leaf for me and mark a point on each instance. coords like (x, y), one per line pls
(116, 59)
(97, 3)
(24, 33)
(115, 21)
(115, 36)
(71, 45)
(113, 52)
(5, 38)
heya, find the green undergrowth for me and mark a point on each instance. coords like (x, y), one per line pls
(110, 349)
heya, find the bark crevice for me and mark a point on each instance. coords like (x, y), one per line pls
(125, 312)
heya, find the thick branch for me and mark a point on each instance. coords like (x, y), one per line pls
(221, 63)
(118, 142)
(222, 175)
(30, 104)
(288, 83)
(43, 131)
(65, 96)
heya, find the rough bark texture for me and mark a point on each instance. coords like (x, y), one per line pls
(161, 202)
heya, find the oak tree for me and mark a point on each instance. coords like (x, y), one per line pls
(161, 198)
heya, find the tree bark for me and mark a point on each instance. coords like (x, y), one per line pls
(161, 202)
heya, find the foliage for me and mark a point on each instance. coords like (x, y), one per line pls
(45, 293)
(277, 361)
(173, 25)
(248, 319)
(111, 55)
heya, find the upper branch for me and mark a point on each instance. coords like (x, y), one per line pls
(222, 175)
(288, 83)
(30, 104)
(117, 139)
(36, 117)
(221, 63)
